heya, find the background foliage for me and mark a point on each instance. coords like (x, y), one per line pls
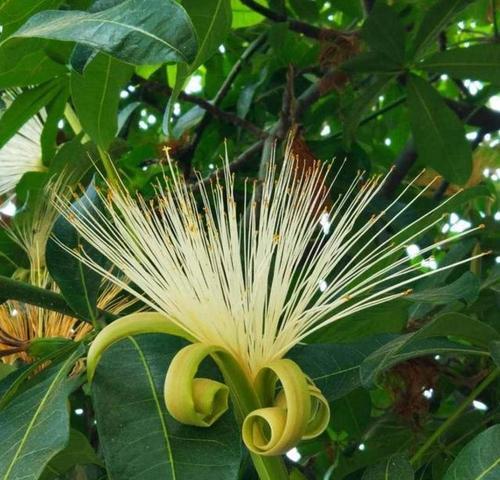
(409, 84)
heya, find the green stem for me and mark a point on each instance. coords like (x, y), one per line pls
(245, 401)
(454, 416)
(74, 122)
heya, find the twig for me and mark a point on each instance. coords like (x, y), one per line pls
(454, 416)
(298, 26)
(209, 107)
(186, 156)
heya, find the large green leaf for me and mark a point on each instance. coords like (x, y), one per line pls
(351, 413)
(24, 62)
(334, 368)
(140, 32)
(139, 438)
(35, 423)
(479, 459)
(430, 340)
(481, 62)
(434, 21)
(79, 284)
(78, 451)
(13, 13)
(26, 105)
(212, 22)
(372, 62)
(385, 33)
(55, 111)
(464, 288)
(439, 134)
(433, 282)
(395, 467)
(96, 95)
(244, 16)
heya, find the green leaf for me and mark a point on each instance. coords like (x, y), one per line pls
(372, 62)
(334, 368)
(212, 22)
(461, 326)
(79, 284)
(244, 16)
(389, 317)
(385, 33)
(6, 369)
(26, 105)
(436, 19)
(439, 134)
(495, 352)
(406, 348)
(139, 32)
(351, 413)
(78, 451)
(12, 256)
(24, 62)
(481, 62)
(139, 438)
(395, 467)
(13, 13)
(55, 111)
(458, 252)
(96, 95)
(364, 100)
(188, 121)
(479, 459)
(464, 288)
(429, 340)
(35, 424)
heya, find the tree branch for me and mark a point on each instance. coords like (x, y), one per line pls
(209, 107)
(298, 26)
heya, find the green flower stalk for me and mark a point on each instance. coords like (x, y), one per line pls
(243, 287)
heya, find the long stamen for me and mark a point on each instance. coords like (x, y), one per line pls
(250, 284)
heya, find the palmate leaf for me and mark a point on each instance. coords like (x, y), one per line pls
(140, 440)
(139, 32)
(35, 423)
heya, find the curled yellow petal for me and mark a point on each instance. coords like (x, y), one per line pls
(280, 425)
(319, 417)
(194, 401)
(134, 324)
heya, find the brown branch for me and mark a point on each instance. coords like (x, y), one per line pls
(209, 107)
(298, 26)
(187, 154)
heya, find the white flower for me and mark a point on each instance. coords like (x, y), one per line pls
(21, 154)
(246, 279)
